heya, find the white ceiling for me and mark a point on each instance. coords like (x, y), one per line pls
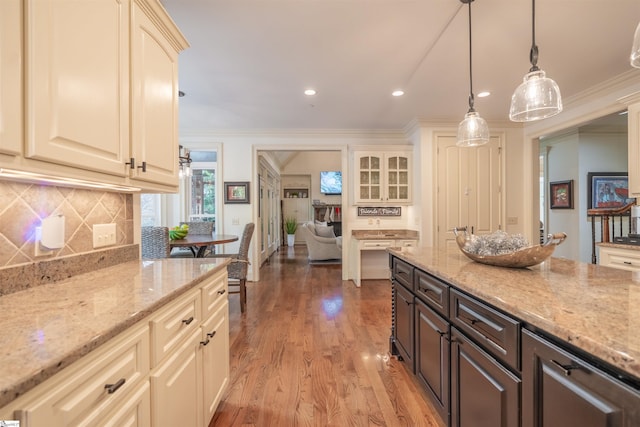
(250, 60)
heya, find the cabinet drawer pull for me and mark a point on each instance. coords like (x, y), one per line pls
(566, 369)
(222, 291)
(112, 388)
(628, 262)
(143, 167)
(187, 321)
(204, 342)
(211, 334)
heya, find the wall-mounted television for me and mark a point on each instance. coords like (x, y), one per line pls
(331, 183)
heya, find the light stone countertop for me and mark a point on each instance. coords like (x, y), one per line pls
(48, 327)
(618, 245)
(594, 308)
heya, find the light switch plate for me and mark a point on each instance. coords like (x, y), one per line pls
(104, 235)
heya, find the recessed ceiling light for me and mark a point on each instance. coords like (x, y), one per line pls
(484, 94)
(397, 92)
(310, 92)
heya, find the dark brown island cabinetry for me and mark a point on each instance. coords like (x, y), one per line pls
(561, 389)
(483, 367)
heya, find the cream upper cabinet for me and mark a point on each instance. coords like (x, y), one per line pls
(10, 77)
(633, 123)
(77, 83)
(101, 90)
(154, 88)
(382, 177)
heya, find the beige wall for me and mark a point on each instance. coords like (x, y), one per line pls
(23, 206)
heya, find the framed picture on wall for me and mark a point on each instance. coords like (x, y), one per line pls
(561, 194)
(236, 192)
(607, 190)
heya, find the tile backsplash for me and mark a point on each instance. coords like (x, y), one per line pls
(23, 206)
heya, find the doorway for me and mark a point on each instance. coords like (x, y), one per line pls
(307, 160)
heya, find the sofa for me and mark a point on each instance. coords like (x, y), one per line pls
(322, 244)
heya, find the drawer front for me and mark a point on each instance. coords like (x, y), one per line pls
(402, 272)
(622, 259)
(406, 243)
(432, 291)
(91, 387)
(559, 386)
(496, 332)
(214, 294)
(171, 325)
(374, 245)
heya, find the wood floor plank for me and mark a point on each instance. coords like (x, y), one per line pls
(312, 350)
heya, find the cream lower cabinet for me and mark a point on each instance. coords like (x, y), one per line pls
(106, 384)
(371, 260)
(176, 400)
(169, 369)
(623, 259)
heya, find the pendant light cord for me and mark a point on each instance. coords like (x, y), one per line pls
(471, 99)
(533, 55)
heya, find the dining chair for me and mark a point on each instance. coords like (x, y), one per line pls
(239, 266)
(196, 227)
(155, 242)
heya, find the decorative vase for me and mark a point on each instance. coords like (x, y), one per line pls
(291, 239)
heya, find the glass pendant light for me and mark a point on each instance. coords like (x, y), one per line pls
(537, 97)
(635, 51)
(473, 130)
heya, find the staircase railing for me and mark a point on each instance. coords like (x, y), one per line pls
(608, 218)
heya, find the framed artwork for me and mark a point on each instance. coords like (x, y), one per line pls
(607, 190)
(561, 194)
(236, 192)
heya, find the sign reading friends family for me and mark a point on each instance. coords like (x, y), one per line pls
(379, 211)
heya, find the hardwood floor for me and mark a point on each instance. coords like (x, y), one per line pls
(312, 350)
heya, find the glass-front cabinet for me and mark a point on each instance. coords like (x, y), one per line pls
(382, 177)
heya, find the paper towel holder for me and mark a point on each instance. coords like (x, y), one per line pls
(50, 235)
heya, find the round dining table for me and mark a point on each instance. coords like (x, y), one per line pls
(198, 243)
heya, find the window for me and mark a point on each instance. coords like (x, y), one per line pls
(202, 186)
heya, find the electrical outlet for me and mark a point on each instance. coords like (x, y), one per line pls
(235, 221)
(370, 221)
(104, 235)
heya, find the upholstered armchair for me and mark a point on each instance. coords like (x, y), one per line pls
(322, 244)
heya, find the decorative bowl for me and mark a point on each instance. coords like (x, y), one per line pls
(521, 258)
(179, 232)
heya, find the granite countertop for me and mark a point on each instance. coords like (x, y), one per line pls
(594, 308)
(48, 327)
(619, 246)
(378, 234)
